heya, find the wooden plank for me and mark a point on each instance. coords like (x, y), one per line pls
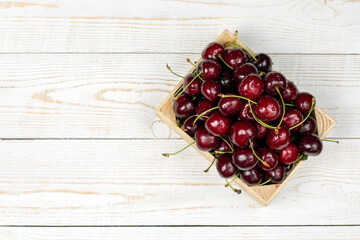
(277, 26)
(121, 182)
(159, 233)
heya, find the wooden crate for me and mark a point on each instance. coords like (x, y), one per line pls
(263, 194)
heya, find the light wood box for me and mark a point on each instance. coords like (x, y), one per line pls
(263, 194)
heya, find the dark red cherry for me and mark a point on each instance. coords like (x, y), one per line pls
(310, 144)
(189, 127)
(210, 69)
(303, 102)
(277, 175)
(270, 157)
(277, 139)
(289, 168)
(244, 159)
(241, 132)
(212, 50)
(210, 90)
(224, 146)
(274, 80)
(245, 111)
(263, 62)
(226, 81)
(242, 71)
(290, 93)
(292, 117)
(184, 107)
(289, 154)
(252, 176)
(203, 106)
(260, 131)
(281, 110)
(225, 167)
(267, 108)
(191, 86)
(229, 106)
(234, 57)
(252, 87)
(309, 126)
(204, 140)
(217, 124)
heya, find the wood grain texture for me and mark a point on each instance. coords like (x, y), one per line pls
(277, 26)
(210, 233)
(121, 182)
(110, 96)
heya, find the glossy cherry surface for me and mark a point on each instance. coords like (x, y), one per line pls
(189, 127)
(212, 50)
(290, 93)
(277, 139)
(204, 140)
(277, 175)
(244, 159)
(225, 167)
(289, 154)
(260, 131)
(309, 126)
(267, 108)
(310, 144)
(184, 107)
(244, 70)
(245, 113)
(192, 86)
(263, 62)
(292, 117)
(226, 81)
(241, 132)
(210, 69)
(252, 177)
(224, 146)
(270, 157)
(235, 57)
(274, 80)
(210, 90)
(252, 87)
(303, 102)
(218, 124)
(203, 106)
(229, 106)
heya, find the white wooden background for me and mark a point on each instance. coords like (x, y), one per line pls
(80, 149)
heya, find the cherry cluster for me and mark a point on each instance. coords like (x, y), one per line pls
(253, 120)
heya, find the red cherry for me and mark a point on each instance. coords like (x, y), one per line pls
(260, 131)
(241, 132)
(245, 111)
(191, 86)
(210, 69)
(292, 117)
(309, 126)
(203, 106)
(212, 50)
(290, 93)
(190, 127)
(224, 146)
(279, 138)
(274, 80)
(289, 154)
(244, 70)
(252, 176)
(225, 167)
(303, 102)
(183, 107)
(263, 62)
(226, 81)
(229, 106)
(277, 175)
(204, 140)
(244, 159)
(217, 124)
(252, 87)
(210, 90)
(267, 108)
(270, 157)
(234, 57)
(310, 144)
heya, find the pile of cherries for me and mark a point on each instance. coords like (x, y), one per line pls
(253, 120)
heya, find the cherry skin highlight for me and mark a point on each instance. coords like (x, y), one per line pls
(192, 88)
(210, 90)
(252, 87)
(252, 177)
(267, 108)
(303, 102)
(309, 126)
(225, 167)
(183, 107)
(203, 106)
(229, 106)
(241, 132)
(290, 93)
(277, 175)
(310, 144)
(277, 139)
(244, 159)
(274, 80)
(212, 50)
(204, 140)
(263, 62)
(292, 118)
(235, 57)
(289, 154)
(210, 69)
(244, 70)
(245, 111)
(270, 157)
(218, 124)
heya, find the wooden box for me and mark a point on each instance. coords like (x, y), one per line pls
(263, 194)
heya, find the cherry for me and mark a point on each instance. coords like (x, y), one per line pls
(274, 80)
(229, 106)
(226, 81)
(260, 131)
(241, 132)
(183, 107)
(292, 117)
(252, 87)
(203, 106)
(248, 57)
(217, 124)
(189, 126)
(234, 57)
(310, 144)
(244, 159)
(289, 168)
(225, 167)
(212, 50)
(245, 111)
(269, 157)
(252, 176)
(279, 138)
(309, 126)
(289, 154)
(277, 175)
(224, 146)
(192, 86)
(204, 140)
(290, 93)
(267, 108)
(263, 62)
(244, 70)
(210, 69)
(210, 90)
(304, 102)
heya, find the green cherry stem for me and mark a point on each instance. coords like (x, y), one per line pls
(290, 104)
(169, 68)
(177, 96)
(329, 140)
(238, 191)
(297, 160)
(237, 96)
(169, 154)
(183, 125)
(259, 121)
(252, 149)
(232, 149)
(210, 109)
(236, 176)
(283, 105)
(189, 61)
(206, 170)
(264, 182)
(219, 152)
(307, 116)
(221, 58)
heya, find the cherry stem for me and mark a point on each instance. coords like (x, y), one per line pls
(221, 58)
(219, 152)
(235, 36)
(297, 160)
(177, 96)
(189, 61)
(235, 45)
(261, 74)
(206, 170)
(237, 175)
(238, 191)
(227, 143)
(259, 121)
(262, 161)
(210, 109)
(237, 96)
(283, 105)
(183, 126)
(329, 140)
(169, 154)
(168, 67)
(307, 116)
(290, 104)
(264, 182)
